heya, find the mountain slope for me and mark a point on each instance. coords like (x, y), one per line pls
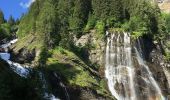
(68, 38)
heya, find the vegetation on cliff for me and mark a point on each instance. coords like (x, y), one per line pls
(54, 20)
(51, 26)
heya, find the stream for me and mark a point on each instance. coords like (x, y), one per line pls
(23, 70)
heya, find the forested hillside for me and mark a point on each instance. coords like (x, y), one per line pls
(66, 40)
(54, 20)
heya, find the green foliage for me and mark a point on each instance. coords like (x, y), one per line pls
(125, 26)
(91, 23)
(104, 9)
(71, 67)
(47, 23)
(11, 21)
(57, 22)
(44, 56)
(63, 10)
(100, 27)
(167, 21)
(135, 24)
(5, 30)
(2, 20)
(167, 56)
(111, 22)
(17, 21)
(53, 23)
(67, 41)
(43, 24)
(80, 14)
(28, 21)
(135, 35)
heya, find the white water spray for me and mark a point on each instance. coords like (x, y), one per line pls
(119, 69)
(149, 78)
(21, 70)
(123, 82)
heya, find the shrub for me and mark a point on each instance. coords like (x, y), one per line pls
(91, 23)
(167, 21)
(4, 30)
(100, 27)
(167, 56)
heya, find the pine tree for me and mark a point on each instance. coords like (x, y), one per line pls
(17, 21)
(47, 23)
(2, 20)
(80, 14)
(11, 21)
(30, 18)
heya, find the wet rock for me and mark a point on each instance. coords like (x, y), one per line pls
(168, 97)
(74, 92)
(153, 55)
(23, 56)
(120, 89)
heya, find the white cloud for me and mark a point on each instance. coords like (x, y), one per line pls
(27, 4)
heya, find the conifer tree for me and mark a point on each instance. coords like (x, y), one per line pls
(11, 21)
(2, 20)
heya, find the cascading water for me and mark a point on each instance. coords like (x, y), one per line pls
(46, 95)
(63, 86)
(121, 72)
(9, 43)
(154, 91)
(23, 71)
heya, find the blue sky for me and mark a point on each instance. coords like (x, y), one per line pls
(14, 7)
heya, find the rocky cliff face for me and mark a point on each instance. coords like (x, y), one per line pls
(164, 5)
(96, 49)
(154, 56)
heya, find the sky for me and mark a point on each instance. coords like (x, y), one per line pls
(15, 7)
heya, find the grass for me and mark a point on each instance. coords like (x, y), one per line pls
(100, 27)
(168, 44)
(30, 42)
(74, 70)
(167, 57)
(62, 61)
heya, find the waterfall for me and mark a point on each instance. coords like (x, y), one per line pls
(9, 43)
(148, 77)
(17, 68)
(63, 86)
(121, 72)
(119, 69)
(46, 95)
(21, 70)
